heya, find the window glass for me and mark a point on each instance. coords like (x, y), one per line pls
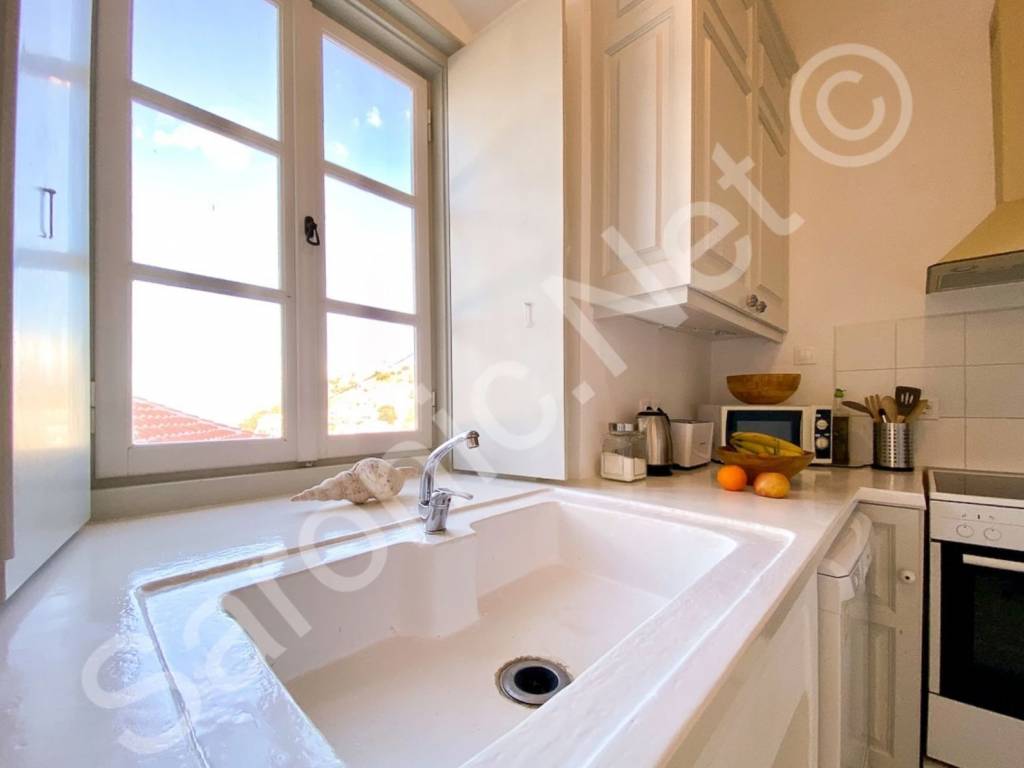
(367, 118)
(202, 202)
(205, 366)
(370, 249)
(371, 376)
(220, 55)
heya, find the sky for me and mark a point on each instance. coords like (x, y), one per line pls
(207, 204)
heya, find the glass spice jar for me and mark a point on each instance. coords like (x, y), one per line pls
(624, 453)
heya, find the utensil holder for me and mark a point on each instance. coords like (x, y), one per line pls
(894, 447)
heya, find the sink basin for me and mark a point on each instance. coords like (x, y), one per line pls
(390, 645)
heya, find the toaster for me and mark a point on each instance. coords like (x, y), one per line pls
(691, 443)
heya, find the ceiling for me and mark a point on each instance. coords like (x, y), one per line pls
(479, 13)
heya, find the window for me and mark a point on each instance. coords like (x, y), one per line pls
(226, 335)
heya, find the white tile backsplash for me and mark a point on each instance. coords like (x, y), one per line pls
(995, 337)
(860, 384)
(973, 364)
(930, 341)
(995, 391)
(945, 385)
(995, 444)
(866, 346)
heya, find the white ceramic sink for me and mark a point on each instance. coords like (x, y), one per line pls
(391, 645)
(421, 643)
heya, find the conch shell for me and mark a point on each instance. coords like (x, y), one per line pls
(368, 479)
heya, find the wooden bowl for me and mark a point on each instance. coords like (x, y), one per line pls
(756, 465)
(763, 388)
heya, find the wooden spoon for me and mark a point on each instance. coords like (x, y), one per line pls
(858, 407)
(921, 407)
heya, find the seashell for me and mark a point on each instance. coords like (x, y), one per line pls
(368, 479)
(380, 478)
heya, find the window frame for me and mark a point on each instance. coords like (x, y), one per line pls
(302, 287)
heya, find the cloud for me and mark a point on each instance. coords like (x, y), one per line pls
(373, 117)
(340, 151)
(219, 150)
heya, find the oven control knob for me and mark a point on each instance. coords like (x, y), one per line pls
(821, 443)
(822, 425)
(993, 534)
(964, 531)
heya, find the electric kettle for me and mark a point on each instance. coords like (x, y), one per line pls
(657, 427)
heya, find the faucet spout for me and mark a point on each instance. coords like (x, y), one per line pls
(434, 503)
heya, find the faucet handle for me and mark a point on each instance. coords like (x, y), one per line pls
(448, 493)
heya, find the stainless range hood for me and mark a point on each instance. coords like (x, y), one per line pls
(993, 254)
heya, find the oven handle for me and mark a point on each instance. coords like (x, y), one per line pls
(994, 563)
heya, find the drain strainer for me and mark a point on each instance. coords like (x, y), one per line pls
(532, 681)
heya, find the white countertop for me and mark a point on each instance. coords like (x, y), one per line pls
(83, 606)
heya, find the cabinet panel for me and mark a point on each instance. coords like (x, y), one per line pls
(636, 77)
(507, 242)
(736, 17)
(51, 367)
(770, 270)
(897, 622)
(724, 109)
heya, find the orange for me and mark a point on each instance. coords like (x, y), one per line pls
(772, 485)
(732, 478)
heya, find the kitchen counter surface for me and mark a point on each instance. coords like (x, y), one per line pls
(80, 680)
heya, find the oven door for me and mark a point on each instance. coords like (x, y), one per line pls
(791, 424)
(978, 631)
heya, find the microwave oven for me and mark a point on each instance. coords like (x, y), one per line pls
(809, 426)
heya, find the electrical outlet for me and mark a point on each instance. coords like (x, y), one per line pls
(805, 356)
(932, 411)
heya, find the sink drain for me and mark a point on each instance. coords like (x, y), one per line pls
(532, 681)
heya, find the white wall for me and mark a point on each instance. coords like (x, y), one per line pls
(871, 232)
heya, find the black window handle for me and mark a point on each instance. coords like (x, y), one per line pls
(312, 231)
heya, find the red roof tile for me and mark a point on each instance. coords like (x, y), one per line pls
(155, 423)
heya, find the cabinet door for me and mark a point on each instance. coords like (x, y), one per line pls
(51, 459)
(770, 268)
(896, 588)
(636, 91)
(723, 119)
(507, 238)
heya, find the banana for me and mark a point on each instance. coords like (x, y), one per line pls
(764, 445)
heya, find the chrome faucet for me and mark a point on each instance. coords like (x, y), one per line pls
(435, 502)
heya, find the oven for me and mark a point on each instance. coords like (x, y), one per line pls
(976, 622)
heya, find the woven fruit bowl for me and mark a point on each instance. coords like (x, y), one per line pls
(755, 465)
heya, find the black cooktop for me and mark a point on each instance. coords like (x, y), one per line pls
(984, 484)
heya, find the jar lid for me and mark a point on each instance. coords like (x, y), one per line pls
(621, 427)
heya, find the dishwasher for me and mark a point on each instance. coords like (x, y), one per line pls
(843, 648)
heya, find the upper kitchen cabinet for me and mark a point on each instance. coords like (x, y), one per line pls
(693, 111)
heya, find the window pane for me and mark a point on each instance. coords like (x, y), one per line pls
(370, 249)
(371, 376)
(204, 366)
(220, 55)
(367, 118)
(202, 202)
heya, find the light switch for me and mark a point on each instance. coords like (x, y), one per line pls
(805, 356)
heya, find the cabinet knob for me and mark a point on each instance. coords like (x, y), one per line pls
(761, 307)
(752, 301)
(908, 577)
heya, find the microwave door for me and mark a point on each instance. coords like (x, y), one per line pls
(785, 424)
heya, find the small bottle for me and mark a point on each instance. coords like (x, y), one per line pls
(624, 453)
